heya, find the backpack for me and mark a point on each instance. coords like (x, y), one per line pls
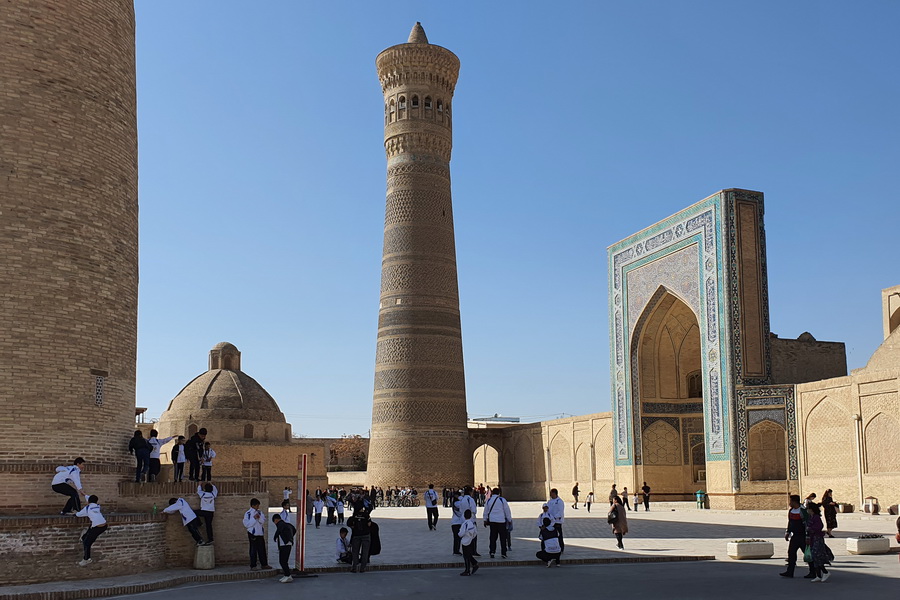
(612, 516)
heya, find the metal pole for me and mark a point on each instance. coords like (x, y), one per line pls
(302, 472)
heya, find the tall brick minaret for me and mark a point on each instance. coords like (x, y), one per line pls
(419, 414)
(68, 246)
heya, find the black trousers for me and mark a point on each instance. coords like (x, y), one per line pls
(432, 516)
(318, 519)
(625, 502)
(545, 556)
(340, 517)
(797, 542)
(194, 473)
(257, 550)
(330, 520)
(194, 529)
(562, 543)
(498, 530)
(206, 473)
(90, 536)
(155, 467)
(284, 557)
(142, 466)
(455, 529)
(74, 501)
(469, 557)
(646, 502)
(207, 516)
(179, 471)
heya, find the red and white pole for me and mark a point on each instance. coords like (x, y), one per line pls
(301, 511)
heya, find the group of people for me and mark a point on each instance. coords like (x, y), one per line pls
(643, 498)
(196, 452)
(806, 533)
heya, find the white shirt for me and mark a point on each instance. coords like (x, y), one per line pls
(92, 511)
(156, 445)
(542, 516)
(207, 499)
(341, 547)
(208, 456)
(181, 457)
(496, 510)
(68, 474)
(430, 499)
(287, 494)
(457, 517)
(318, 505)
(557, 510)
(252, 524)
(467, 532)
(286, 516)
(187, 514)
(551, 544)
(339, 506)
(467, 502)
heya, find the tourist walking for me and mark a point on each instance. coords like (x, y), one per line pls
(139, 447)
(468, 533)
(613, 494)
(96, 528)
(156, 445)
(178, 459)
(360, 540)
(819, 551)
(589, 500)
(645, 490)
(254, 524)
(188, 517)
(498, 517)
(811, 499)
(619, 521)
(795, 535)
(431, 507)
(551, 550)
(67, 482)
(625, 499)
(208, 494)
(575, 495)
(557, 509)
(208, 455)
(829, 507)
(284, 539)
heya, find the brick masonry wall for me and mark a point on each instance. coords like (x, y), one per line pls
(68, 236)
(230, 535)
(39, 549)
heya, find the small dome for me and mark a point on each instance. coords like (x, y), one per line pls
(225, 346)
(806, 337)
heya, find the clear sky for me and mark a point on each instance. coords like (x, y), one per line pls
(576, 124)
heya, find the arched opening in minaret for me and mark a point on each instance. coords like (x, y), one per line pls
(668, 398)
(415, 102)
(385, 113)
(392, 111)
(427, 106)
(401, 107)
(486, 460)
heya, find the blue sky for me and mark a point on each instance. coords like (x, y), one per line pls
(262, 178)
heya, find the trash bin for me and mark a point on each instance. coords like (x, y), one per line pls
(871, 505)
(205, 557)
(701, 499)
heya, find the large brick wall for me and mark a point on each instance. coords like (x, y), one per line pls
(68, 240)
(39, 549)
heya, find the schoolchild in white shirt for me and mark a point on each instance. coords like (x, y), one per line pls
(318, 505)
(156, 445)
(188, 517)
(98, 527)
(253, 523)
(208, 493)
(208, 455)
(468, 533)
(67, 481)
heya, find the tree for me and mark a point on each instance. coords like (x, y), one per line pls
(353, 447)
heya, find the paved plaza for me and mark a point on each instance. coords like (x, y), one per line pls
(660, 534)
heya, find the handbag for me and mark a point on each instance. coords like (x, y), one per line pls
(612, 516)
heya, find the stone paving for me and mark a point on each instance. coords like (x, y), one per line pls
(659, 534)
(406, 539)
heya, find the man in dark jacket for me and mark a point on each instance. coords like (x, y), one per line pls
(284, 539)
(193, 451)
(795, 535)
